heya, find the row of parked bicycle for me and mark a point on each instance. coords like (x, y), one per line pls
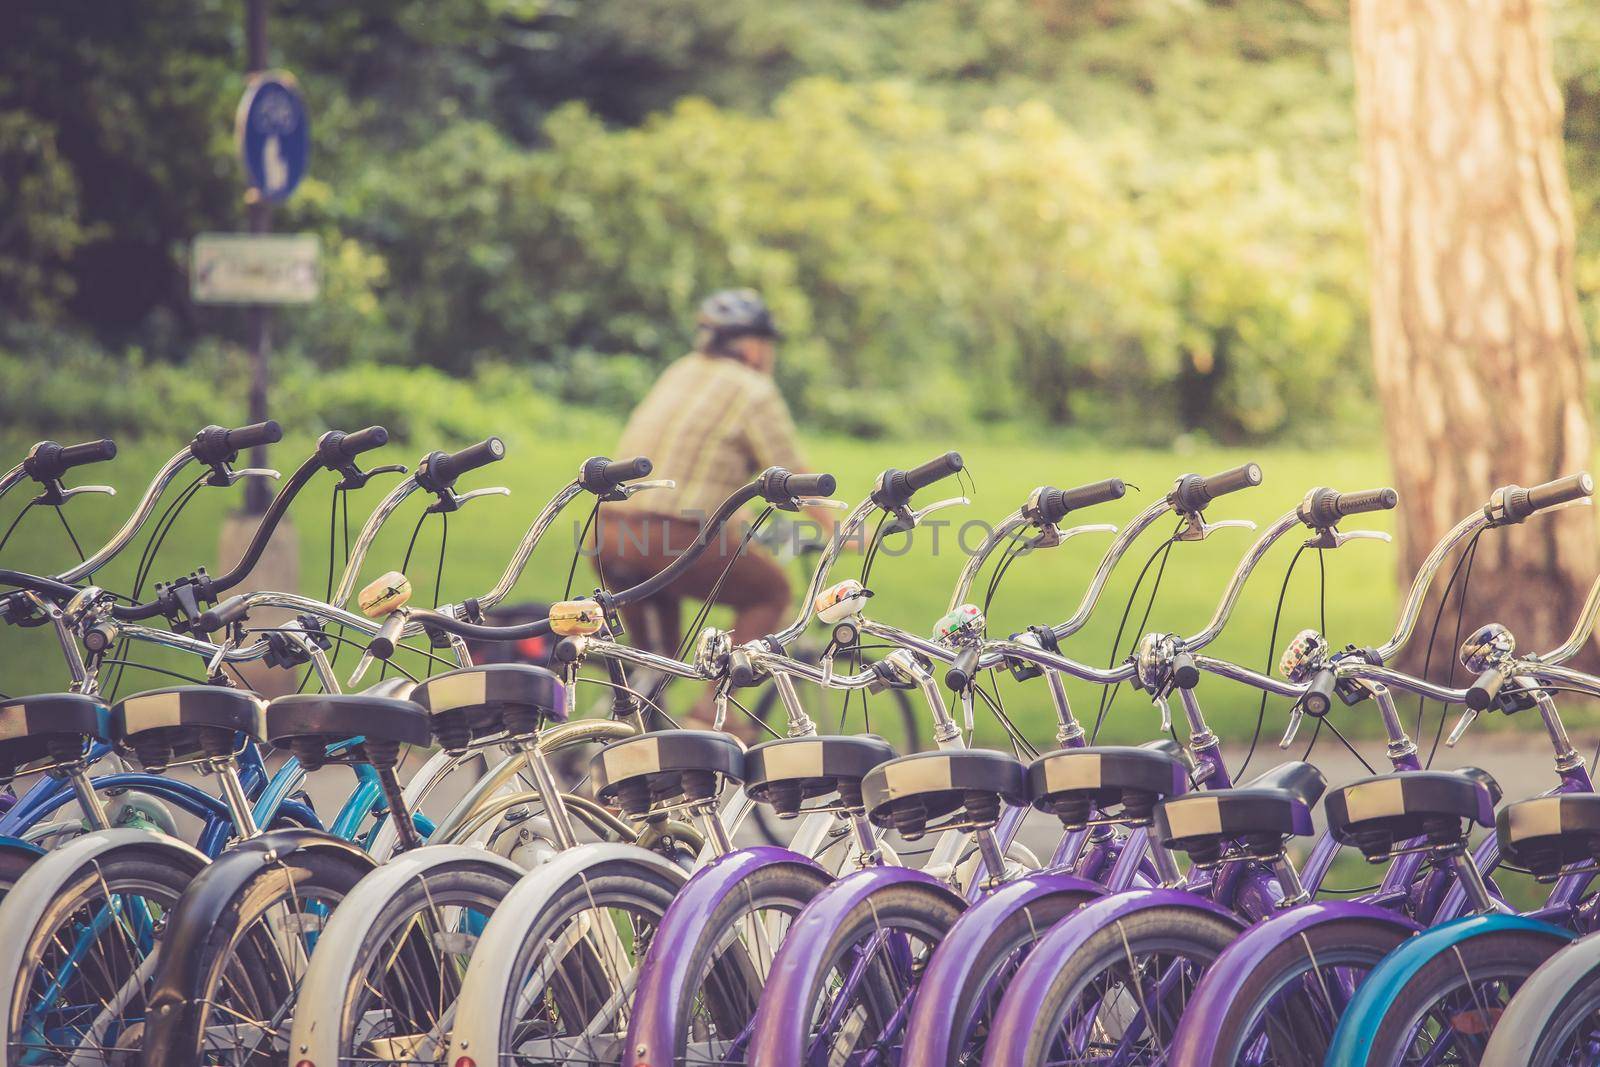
(500, 898)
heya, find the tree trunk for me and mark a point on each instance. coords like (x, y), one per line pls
(1479, 348)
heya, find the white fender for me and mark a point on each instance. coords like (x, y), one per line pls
(476, 1033)
(24, 907)
(323, 991)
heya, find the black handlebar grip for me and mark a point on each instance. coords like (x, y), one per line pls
(964, 669)
(439, 470)
(741, 671)
(1323, 508)
(1193, 493)
(261, 433)
(1185, 674)
(1318, 700)
(353, 444)
(1056, 504)
(803, 485)
(1365, 500)
(1572, 487)
(388, 636)
(224, 614)
(87, 452)
(1244, 476)
(602, 476)
(618, 471)
(215, 444)
(932, 471)
(896, 487)
(1482, 693)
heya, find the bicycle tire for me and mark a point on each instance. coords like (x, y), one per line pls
(145, 876)
(1488, 969)
(382, 987)
(1189, 937)
(538, 991)
(1270, 1016)
(722, 990)
(907, 919)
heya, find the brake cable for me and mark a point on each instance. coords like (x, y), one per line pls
(1272, 648)
(1162, 550)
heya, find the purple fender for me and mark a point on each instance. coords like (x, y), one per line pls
(663, 981)
(1018, 1015)
(965, 949)
(1196, 1039)
(779, 1036)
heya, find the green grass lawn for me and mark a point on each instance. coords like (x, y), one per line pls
(913, 584)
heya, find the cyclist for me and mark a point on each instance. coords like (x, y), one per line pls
(712, 420)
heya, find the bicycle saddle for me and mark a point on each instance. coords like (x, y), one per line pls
(185, 721)
(53, 726)
(1545, 834)
(1378, 813)
(473, 703)
(1300, 779)
(1075, 783)
(666, 768)
(1203, 823)
(791, 770)
(307, 723)
(908, 793)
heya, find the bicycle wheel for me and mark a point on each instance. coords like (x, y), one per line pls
(82, 936)
(1446, 1010)
(848, 968)
(1554, 1020)
(1118, 996)
(383, 985)
(1285, 1011)
(713, 955)
(238, 946)
(554, 980)
(949, 1022)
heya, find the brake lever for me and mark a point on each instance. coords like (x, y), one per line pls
(1581, 502)
(1468, 717)
(640, 487)
(232, 476)
(1054, 536)
(821, 502)
(498, 490)
(1333, 538)
(1196, 528)
(1166, 712)
(1296, 717)
(61, 496)
(355, 478)
(908, 519)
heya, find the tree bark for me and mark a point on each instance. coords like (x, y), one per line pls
(1479, 349)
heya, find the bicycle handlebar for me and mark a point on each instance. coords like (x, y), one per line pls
(896, 487)
(215, 444)
(602, 476)
(1323, 508)
(48, 460)
(438, 471)
(1053, 505)
(1193, 492)
(1516, 503)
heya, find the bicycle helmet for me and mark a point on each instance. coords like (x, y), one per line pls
(733, 313)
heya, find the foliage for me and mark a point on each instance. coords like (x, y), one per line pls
(1136, 216)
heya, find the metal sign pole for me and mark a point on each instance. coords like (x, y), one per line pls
(258, 491)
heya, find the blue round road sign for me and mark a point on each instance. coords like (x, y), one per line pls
(274, 134)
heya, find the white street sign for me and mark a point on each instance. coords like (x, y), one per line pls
(254, 268)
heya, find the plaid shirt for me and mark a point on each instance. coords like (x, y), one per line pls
(710, 424)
